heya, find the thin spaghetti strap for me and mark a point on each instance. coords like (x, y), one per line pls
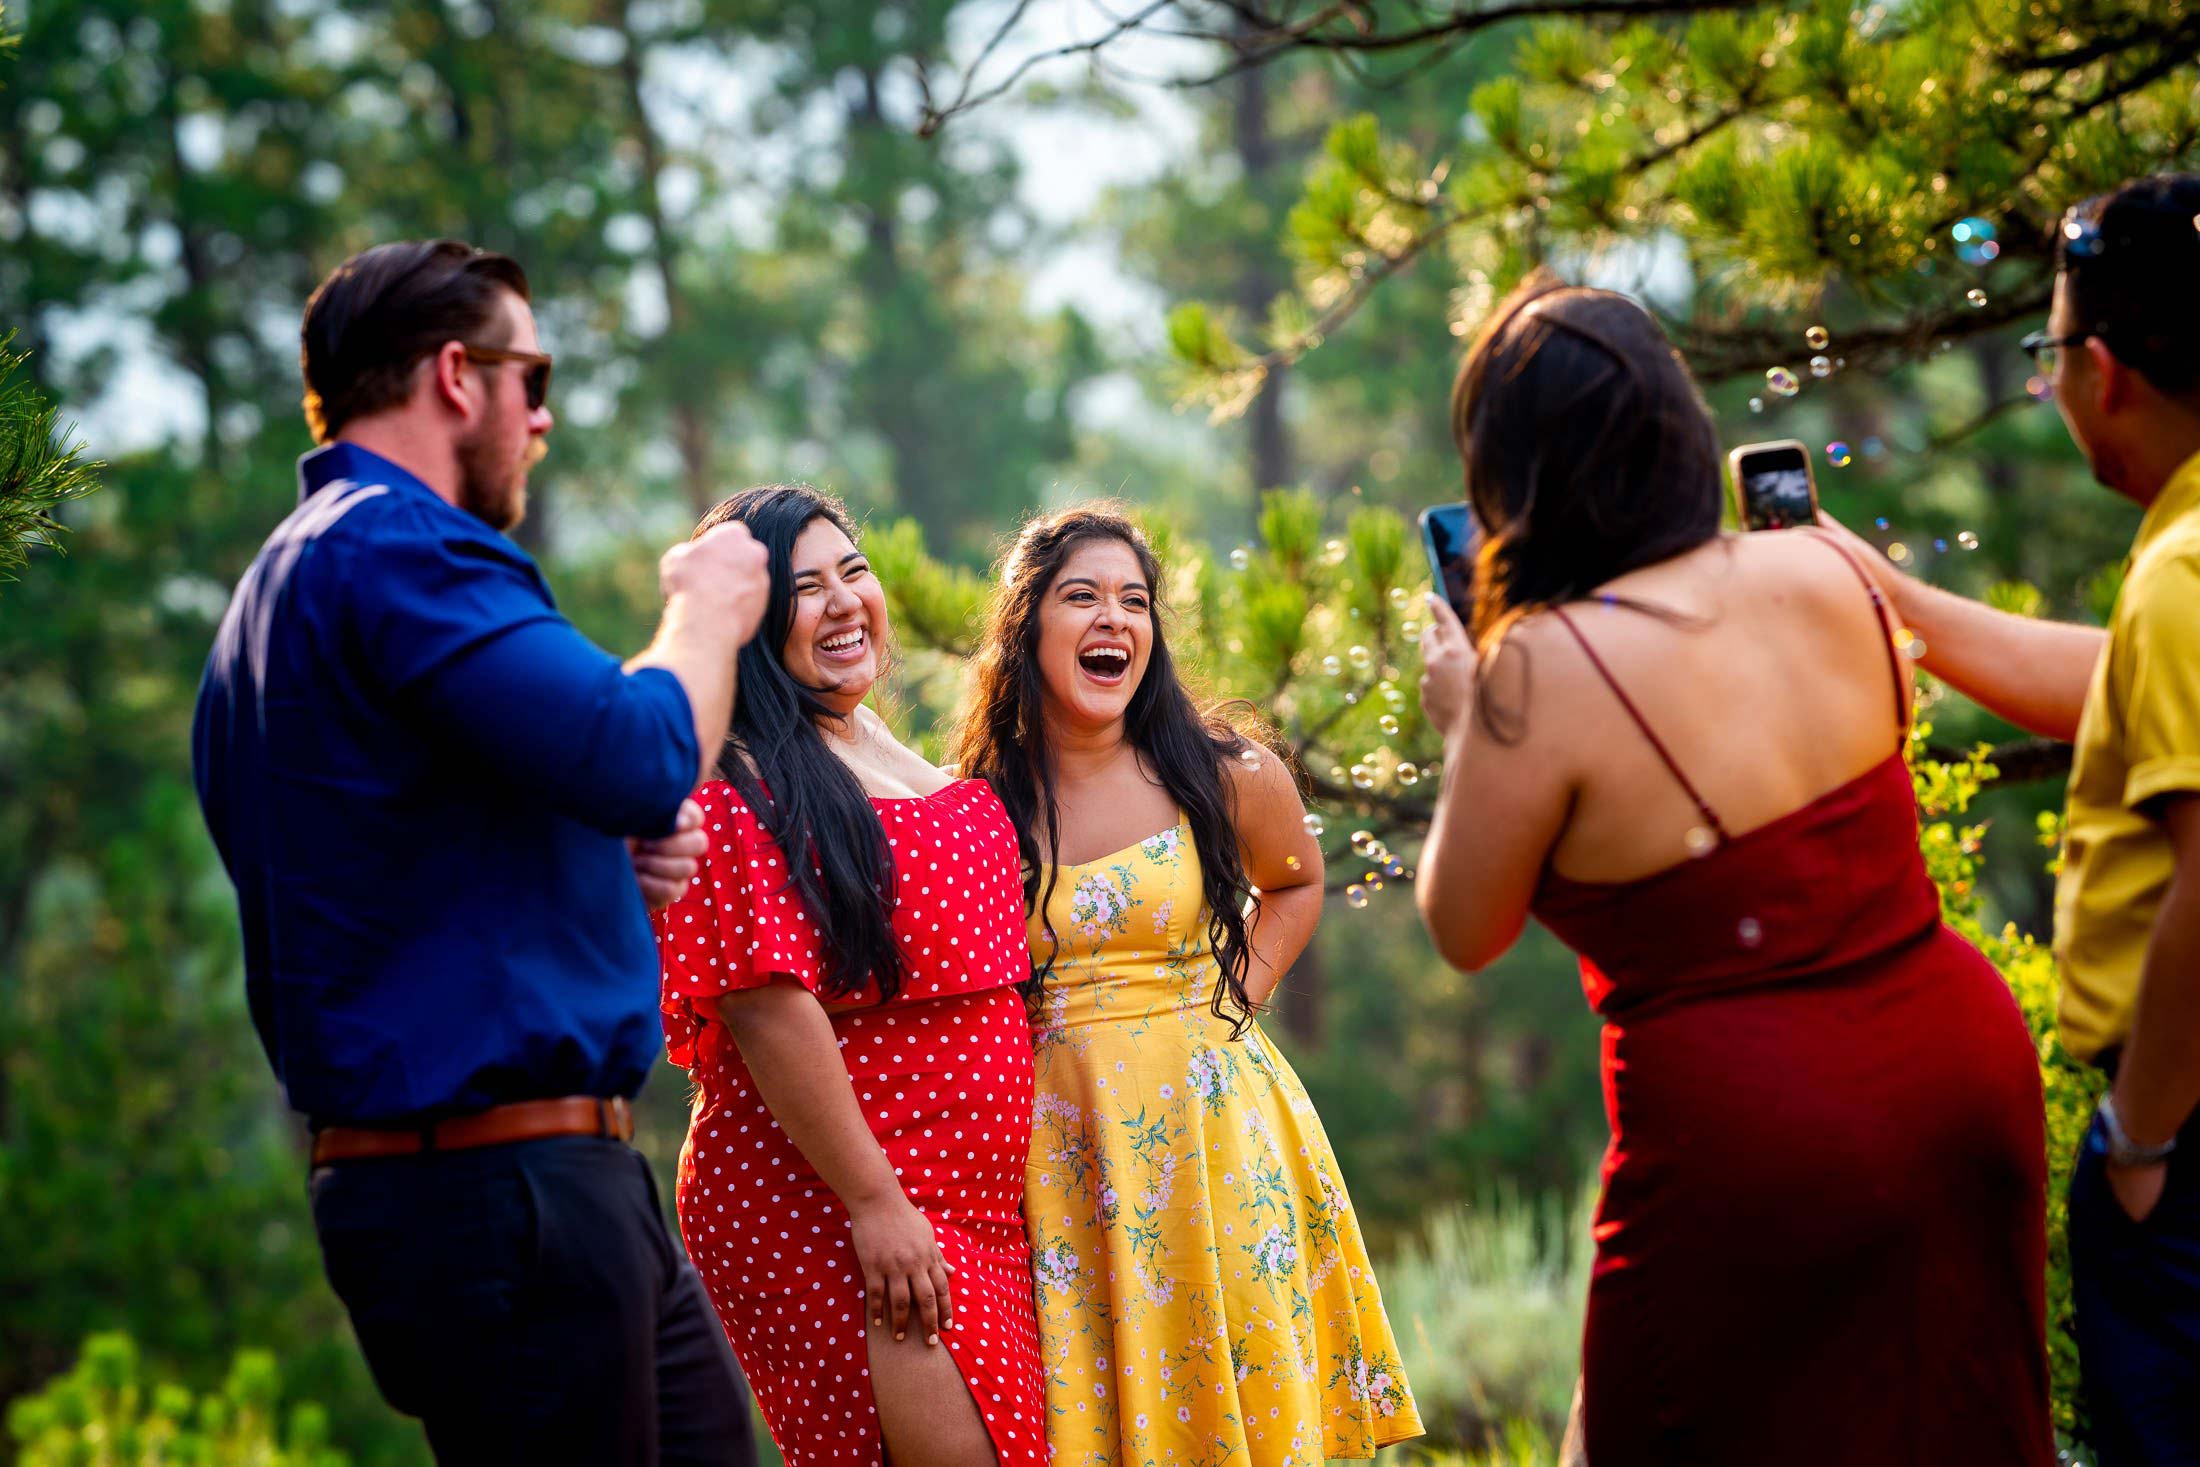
(1886, 626)
(1703, 806)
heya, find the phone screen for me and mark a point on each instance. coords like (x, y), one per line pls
(1450, 535)
(1775, 488)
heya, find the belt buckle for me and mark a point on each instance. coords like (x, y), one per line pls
(613, 1117)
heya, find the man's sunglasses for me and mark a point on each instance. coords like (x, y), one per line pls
(2042, 348)
(537, 379)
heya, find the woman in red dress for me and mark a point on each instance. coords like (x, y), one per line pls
(840, 980)
(1822, 1237)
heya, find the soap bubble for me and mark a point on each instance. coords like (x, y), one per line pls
(1837, 454)
(1780, 382)
(1967, 540)
(1240, 558)
(1359, 657)
(1880, 523)
(1399, 597)
(1409, 774)
(1940, 545)
(1355, 897)
(1333, 551)
(1898, 552)
(1332, 665)
(1363, 778)
(2041, 388)
(1362, 840)
(1821, 366)
(1388, 724)
(1816, 338)
(1250, 758)
(1975, 296)
(1314, 824)
(1756, 404)
(1700, 841)
(1975, 243)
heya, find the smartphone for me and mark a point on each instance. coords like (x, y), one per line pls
(1451, 536)
(1773, 489)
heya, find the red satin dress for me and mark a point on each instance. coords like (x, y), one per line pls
(943, 1074)
(1822, 1238)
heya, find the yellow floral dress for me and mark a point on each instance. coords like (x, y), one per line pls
(1204, 1296)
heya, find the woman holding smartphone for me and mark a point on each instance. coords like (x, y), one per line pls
(1822, 1234)
(1204, 1294)
(840, 979)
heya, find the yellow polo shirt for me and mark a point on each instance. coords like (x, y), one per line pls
(2138, 740)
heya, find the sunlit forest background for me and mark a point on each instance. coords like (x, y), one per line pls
(1219, 260)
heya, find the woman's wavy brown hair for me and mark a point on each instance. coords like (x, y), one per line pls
(1588, 453)
(1002, 739)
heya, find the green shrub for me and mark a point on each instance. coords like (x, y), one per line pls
(105, 1413)
(1487, 1303)
(1944, 792)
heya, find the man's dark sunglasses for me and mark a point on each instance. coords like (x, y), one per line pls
(2041, 347)
(537, 380)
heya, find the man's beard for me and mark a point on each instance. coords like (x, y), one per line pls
(492, 488)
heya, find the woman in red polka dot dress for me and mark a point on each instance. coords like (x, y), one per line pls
(840, 980)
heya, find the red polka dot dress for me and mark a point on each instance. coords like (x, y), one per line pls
(944, 1077)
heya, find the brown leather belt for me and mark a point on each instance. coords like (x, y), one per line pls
(526, 1120)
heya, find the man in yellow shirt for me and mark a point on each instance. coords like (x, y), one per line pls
(2122, 347)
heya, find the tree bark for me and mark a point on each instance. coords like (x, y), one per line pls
(690, 420)
(1269, 437)
(1270, 459)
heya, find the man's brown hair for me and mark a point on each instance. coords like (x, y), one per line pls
(377, 314)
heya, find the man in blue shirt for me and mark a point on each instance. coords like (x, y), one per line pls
(441, 806)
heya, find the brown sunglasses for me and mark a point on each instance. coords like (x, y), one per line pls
(537, 380)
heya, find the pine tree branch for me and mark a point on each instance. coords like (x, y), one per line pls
(41, 467)
(937, 117)
(2113, 43)
(1261, 36)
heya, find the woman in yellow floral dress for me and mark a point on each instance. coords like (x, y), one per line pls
(1204, 1296)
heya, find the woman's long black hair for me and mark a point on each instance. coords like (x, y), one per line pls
(1588, 453)
(1002, 739)
(811, 802)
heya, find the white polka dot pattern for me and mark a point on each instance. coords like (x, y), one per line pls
(944, 1076)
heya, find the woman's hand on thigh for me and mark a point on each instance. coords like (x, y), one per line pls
(904, 1271)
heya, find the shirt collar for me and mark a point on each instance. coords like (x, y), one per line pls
(340, 460)
(2179, 497)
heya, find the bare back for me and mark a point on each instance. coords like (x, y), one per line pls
(1771, 689)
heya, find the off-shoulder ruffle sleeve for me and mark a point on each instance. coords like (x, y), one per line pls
(740, 924)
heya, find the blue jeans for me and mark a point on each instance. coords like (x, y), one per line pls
(528, 1304)
(2137, 1292)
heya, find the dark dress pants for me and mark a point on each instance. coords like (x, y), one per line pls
(2136, 1286)
(528, 1304)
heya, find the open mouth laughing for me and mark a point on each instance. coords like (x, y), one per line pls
(844, 647)
(1106, 663)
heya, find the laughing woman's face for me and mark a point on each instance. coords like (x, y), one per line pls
(1095, 634)
(839, 621)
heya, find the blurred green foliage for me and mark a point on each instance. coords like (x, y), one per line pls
(106, 1413)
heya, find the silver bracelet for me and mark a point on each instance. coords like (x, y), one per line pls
(2122, 1150)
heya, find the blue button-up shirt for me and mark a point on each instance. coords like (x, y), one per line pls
(418, 774)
